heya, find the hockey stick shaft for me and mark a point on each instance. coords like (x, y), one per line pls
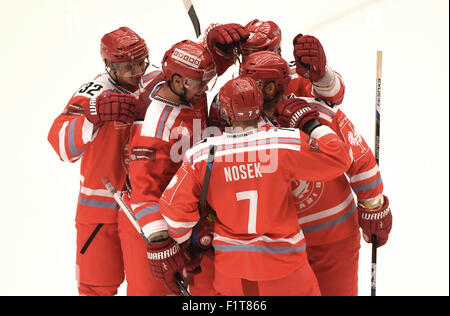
(378, 106)
(193, 16)
(111, 189)
(377, 158)
(209, 165)
(205, 185)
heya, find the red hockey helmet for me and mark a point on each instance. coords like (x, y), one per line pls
(263, 36)
(123, 45)
(191, 61)
(241, 99)
(266, 66)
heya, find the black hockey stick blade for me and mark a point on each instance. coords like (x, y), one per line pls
(193, 16)
(182, 284)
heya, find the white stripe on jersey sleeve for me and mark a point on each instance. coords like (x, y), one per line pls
(177, 225)
(321, 131)
(87, 131)
(154, 227)
(96, 192)
(62, 142)
(329, 85)
(364, 175)
(329, 212)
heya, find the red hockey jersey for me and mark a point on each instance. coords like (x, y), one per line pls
(326, 210)
(103, 150)
(256, 231)
(156, 148)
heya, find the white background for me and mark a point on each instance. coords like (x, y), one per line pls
(49, 48)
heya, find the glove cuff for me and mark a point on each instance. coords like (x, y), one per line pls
(378, 214)
(309, 126)
(327, 82)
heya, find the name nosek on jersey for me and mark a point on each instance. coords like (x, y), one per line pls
(242, 172)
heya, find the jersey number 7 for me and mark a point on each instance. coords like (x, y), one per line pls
(253, 197)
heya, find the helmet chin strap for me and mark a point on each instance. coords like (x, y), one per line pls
(108, 70)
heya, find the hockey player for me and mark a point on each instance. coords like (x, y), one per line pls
(94, 126)
(327, 211)
(174, 118)
(259, 245)
(311, 77)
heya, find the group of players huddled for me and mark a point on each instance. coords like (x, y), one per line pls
(291, 183)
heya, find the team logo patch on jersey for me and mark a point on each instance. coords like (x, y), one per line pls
(313, 145)
(306, 193)
(143, 153)
(353, 138)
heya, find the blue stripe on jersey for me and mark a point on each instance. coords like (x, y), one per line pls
(162, 122)
(177, 231)
(151, 75)
(146, 211)
(259, 248)
(328, 224)
(71, 139)
(97, 203)
(323, 109)
(368, 186)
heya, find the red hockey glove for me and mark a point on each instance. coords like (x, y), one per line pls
(204, 235)
(193, 258)
(222, 39)
(166, 258)
(378, 222)
(310, 59)
(201, 241)
(295, 113)
(112, 107)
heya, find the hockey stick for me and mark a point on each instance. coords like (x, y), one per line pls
(209, 165)
(111, 189)
(377, 158)
(193, 16)
(205, 185)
